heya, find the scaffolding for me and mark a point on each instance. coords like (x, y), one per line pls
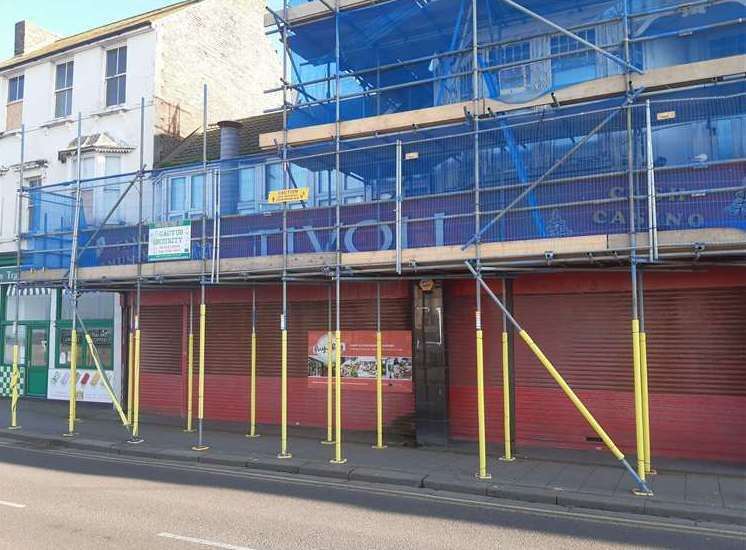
(462, 199)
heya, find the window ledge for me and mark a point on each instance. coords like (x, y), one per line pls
(57, 122)
(14, 132)
(111, 111)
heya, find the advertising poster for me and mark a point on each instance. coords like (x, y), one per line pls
(170, 242)
(89, 385)
(359, 359)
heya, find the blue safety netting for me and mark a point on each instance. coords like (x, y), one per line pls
(412, 54)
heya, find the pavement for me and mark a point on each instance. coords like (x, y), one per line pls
(65, 498)
(684, 490)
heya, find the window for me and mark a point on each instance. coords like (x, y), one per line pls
(196, 192)
(10, 341)
(63, 90)
(177, 195)
(568, 67)
(116, 76)
(87, 172)
(247, 185)
(34, 204)
(112, 168)
(514, 79)
(15, 89)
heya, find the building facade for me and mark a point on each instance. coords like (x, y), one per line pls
(121, 94)
(586, 156)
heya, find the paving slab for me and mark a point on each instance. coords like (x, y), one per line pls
(570, 478)
(702, 489)
(605, 480)
(733, 491)
(669, 486)
(694, 512)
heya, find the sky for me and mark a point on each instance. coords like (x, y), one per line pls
(66, 17)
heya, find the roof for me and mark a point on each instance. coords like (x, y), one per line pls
(189, 151)
(93, 35)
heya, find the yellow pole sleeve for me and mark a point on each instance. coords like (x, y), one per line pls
(480, 407)
(506, 398)
(338, 399)
(190, 382)
(645, 399)
(639, 435)
(15, 382)
(201, 379)
(571, 395)
(252, 386)
(73, 381)
(284, 394)
(105, 380)
(329, 386)
(136, 398)
(379, 390)
(130, 367)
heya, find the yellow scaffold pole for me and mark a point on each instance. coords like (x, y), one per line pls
(644, 379)
(15, 382)
(130, 368)
(190, 368)
(104, 379)
(136, 387)
(338, 459)
(200, 446)
(284, 391)
(73, 382)
(642, 485)
(252, 374)
(508, 456)
(482, 474)
(379, 373)
(15, 375)
(329, 375)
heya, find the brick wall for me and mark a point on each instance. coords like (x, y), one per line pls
(220, 43)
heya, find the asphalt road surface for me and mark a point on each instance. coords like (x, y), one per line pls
(56, 498)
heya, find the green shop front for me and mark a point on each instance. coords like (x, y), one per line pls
(44, 336)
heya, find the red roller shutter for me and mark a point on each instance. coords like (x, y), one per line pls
(697, 369)
(162, 347)
(227, 357)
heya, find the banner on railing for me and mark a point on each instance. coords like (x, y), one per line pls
(170, 242)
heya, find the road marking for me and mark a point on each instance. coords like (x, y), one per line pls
(203, 542)
(421, 494)
(11, 504)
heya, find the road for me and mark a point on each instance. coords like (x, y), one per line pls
(57, 498)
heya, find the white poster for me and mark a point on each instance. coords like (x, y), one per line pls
(170, 242)
(89, 387)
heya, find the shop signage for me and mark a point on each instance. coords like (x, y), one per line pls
(170, 242)
(288, 195)
(359, 359)
(8, 275)
(89, 386)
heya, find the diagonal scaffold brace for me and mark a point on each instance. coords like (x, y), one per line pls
(642, 486)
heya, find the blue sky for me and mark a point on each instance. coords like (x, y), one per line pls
(66, 17)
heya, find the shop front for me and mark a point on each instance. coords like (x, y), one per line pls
(44, 337)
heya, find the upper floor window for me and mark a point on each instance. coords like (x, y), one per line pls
(116, 76)
(569, 67)
(186, 195)
(15, 89)
(514, 79)
(63, 90)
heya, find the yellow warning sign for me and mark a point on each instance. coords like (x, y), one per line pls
(288, 195)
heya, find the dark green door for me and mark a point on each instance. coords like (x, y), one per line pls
(36, 369)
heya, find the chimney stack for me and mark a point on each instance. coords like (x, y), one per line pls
(229, 139)
(29, 37)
